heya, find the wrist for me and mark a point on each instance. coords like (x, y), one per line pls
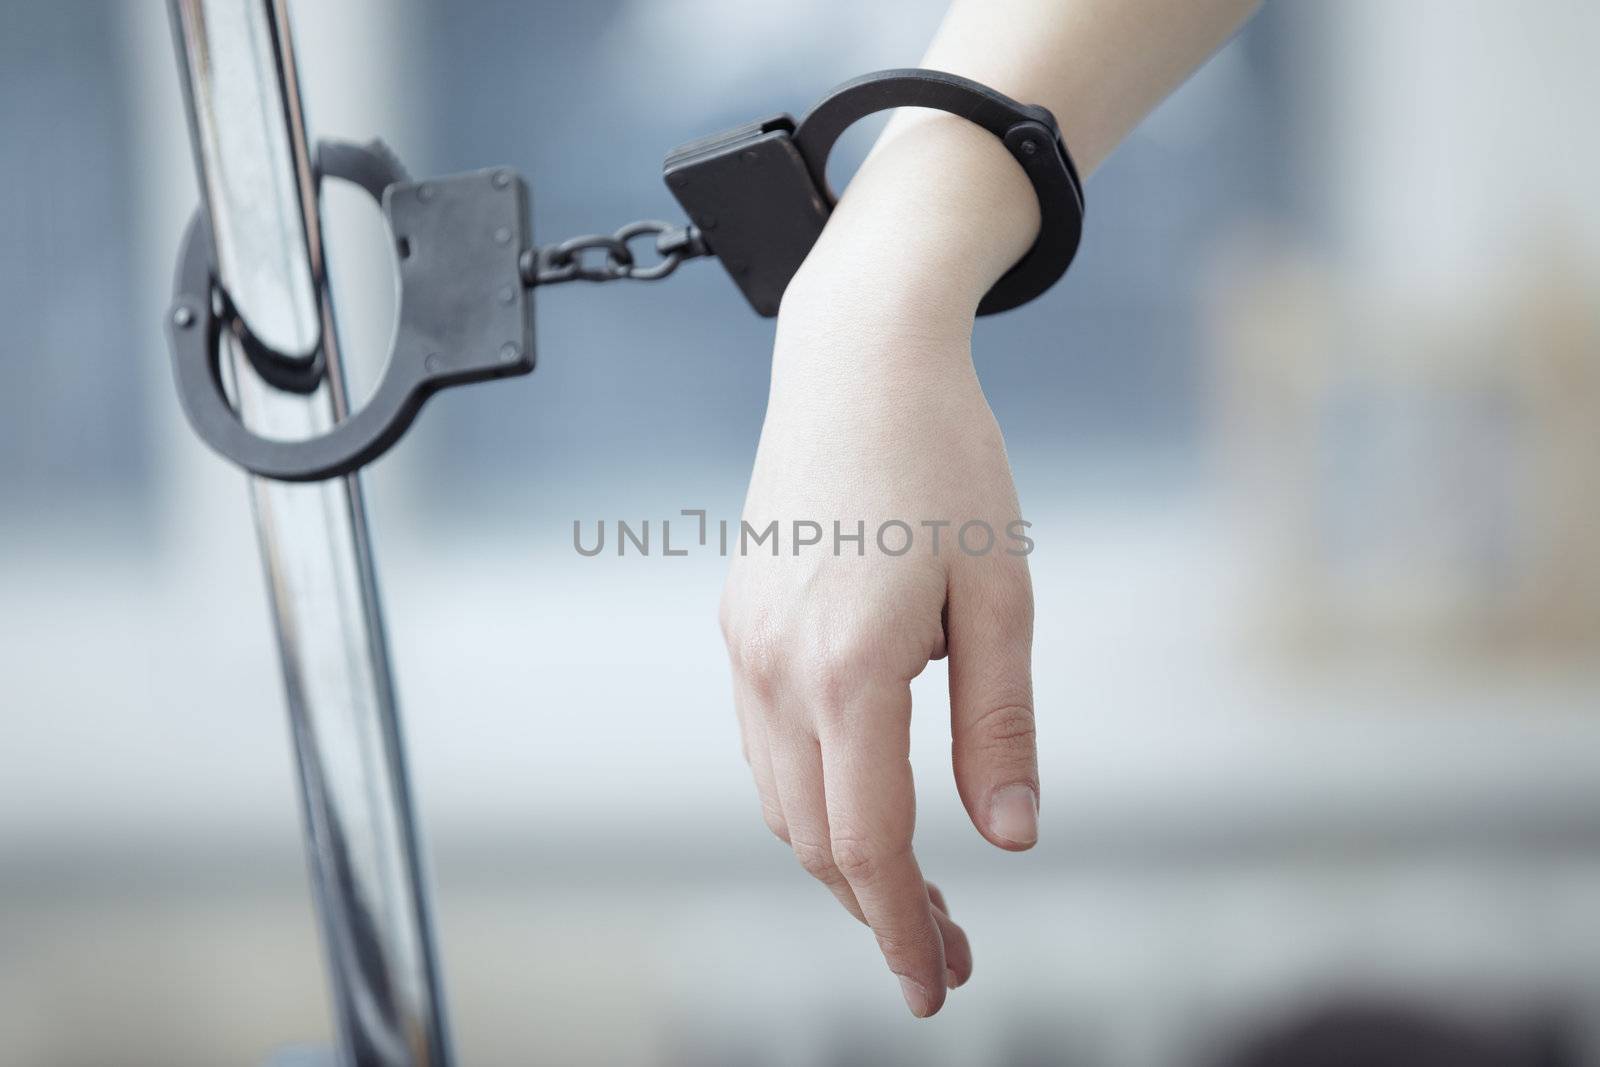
(936, 214)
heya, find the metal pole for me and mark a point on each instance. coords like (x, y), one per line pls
(246, 123)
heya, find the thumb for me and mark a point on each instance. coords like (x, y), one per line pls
(989, 639)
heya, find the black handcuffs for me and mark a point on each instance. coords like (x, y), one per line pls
(758, 196)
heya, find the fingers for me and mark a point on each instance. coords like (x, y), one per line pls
(871, 803)
(797, 764)
(797, 767)
(829, 749)
(989, 629)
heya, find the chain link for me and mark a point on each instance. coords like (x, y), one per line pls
(567, 261)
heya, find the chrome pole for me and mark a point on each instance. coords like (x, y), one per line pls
(252, 155)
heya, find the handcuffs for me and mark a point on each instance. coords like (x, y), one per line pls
(757, 197)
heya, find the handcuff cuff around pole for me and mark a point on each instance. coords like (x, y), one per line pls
(757, 197)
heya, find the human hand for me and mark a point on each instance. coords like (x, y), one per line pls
(876, 417)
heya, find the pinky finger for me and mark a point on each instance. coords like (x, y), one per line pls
(957, 949)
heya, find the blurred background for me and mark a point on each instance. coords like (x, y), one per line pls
(1310, 438)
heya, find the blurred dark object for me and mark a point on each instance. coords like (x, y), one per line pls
(1373, 1034)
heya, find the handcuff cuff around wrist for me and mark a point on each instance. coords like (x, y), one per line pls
(757, 197)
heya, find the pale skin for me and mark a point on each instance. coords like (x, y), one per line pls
(876, 413)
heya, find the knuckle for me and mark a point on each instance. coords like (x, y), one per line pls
(816, 859)
(861, 861)
(755, 655)
(837, 669)
(832, 664)
(1004, 729)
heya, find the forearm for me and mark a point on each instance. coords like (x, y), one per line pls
(1099, 65)
(940, 210)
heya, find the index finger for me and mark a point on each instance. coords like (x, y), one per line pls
(871, 801)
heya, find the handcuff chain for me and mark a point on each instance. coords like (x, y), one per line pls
(565, 262)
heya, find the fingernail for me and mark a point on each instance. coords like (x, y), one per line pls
(917, 998)
(950, 979)
(1014, 815)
